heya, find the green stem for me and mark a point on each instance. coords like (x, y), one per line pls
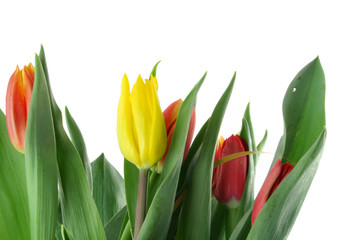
(230, 221)
(141, 201)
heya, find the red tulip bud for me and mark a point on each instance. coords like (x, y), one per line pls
(170, 116)
(276, 176)
(18, 98)
(229, 178)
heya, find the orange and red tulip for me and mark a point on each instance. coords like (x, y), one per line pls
(18, 98)
(170, 116)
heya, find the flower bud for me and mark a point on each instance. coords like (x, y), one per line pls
(170, 116)
(276, 176)
(229, 178)
(18, 98)
(140, 124)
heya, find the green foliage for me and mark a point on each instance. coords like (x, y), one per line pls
(79, 212)
(14, 208)
(279, 213)
(109, 189)
(40, 161)
(304, 111)
(158, 218)
(112, 227)
(79, 143)
(194, 220)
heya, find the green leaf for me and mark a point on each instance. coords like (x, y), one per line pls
(152, 187)
(218, 213)
(304, 111)
(125, 224)
(109, 188)
(243, 227)
(247, 199)
(131, 178)
(14, 208)
(261, 145)
(191, 158)
(279, 213)
(40, 160)
(153, 72)
(79, 212)
(247, 117)
(158, 218)
(65, 234)
(112, 227)
(194, 220)
(79, 143)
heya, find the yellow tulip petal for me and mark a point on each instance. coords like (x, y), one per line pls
(143, 136)
(128, 141)
(158, 138)
(142, 118)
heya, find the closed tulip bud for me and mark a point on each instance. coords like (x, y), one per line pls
(170, 116)
(18, 98)
(277, 174)
(229, 178)
(140, 123)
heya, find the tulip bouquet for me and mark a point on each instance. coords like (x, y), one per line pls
(174, 187)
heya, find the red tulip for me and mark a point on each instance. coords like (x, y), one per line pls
(276, 176)
(170, 116)
(229, 178)
(18, 98)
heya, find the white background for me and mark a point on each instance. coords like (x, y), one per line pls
(89, 46)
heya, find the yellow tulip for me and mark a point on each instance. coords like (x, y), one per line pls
(141, 127)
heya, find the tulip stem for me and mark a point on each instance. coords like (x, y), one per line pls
(230, 221)
(141, 201)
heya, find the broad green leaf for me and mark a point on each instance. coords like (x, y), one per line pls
(79, 212)
(79, 143)
(194, 220)
(173, 224)
(112, 227)
(247, 198)
(40, 160)
(126, 231)
(65, 234)
(304, 111)
(243, 227)
(218, 214)
(108, 189)
(131, 178)
(191, 158)
(152, 186)
(125, 223)
(279, 213)
(158, 218)
(14, 208)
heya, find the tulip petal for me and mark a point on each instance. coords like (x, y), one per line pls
(158, 129)
(230, 176)
(127, 138)
(276, 176)
(171, 114)
(18, 98)
(140, 114)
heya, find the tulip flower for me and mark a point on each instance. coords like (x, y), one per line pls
(277, 174)
(229, 178)
(170, 117)
(140, 123)
(18, 98)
